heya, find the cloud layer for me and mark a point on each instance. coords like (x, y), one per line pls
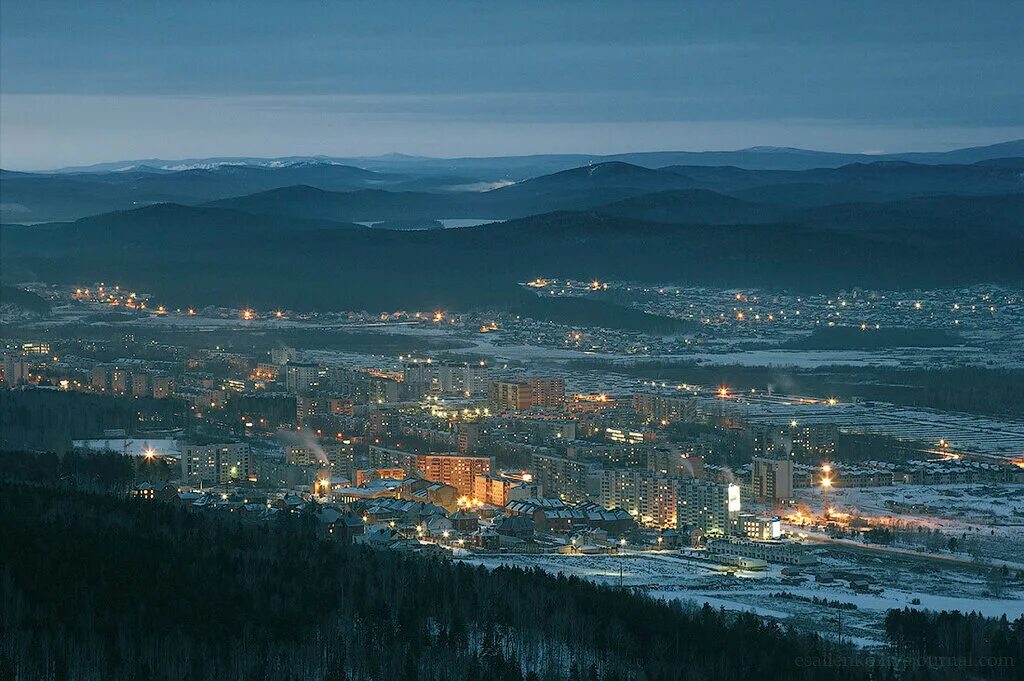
(87, 82)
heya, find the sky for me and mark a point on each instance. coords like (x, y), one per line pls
(85, 82)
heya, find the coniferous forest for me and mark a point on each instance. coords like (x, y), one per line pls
(97, 586)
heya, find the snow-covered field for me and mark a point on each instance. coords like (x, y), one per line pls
(669, 576)
(974, 506)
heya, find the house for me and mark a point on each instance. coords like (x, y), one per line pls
(402, 512)
(436, 526)
(188, 498)
(591, 541)
(437, 493)
(289, 502)
(377, 536)
(560, 520)
(486, 538)
(465, 521)
(337, 525)
(669, 539)
(518, 526)
(615, 521)
(155, 491)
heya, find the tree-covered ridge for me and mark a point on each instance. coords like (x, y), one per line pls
(95, 586)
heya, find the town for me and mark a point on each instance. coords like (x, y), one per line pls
(744, 497)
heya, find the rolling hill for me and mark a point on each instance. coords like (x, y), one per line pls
(29, 197)
(200, 255)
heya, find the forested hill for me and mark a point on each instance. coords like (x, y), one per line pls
(103, 588)
(96, 586)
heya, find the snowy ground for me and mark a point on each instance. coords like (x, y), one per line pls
(993, 513)
(667, 575)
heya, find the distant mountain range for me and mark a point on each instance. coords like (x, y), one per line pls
(289, 233)
(521, 167)
(310, 189)
(32, 197)
(591, 187)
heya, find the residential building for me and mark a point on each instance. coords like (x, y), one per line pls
(771, 479)
(217, 463)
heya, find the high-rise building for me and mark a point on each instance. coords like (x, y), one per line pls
(40, 348)
(675, 462)
(498, 490)
(217, 463)
(815, 442)
(663, 501)
(418, 378)
(523, 394)
(453, 469)
(571, 480)
(510, 396)
(547, 391)
(308, 407)
(282, 356)
(468, 436)
(163, 387)
(711, 507)
(100, 379)
(15, 370)
(142, 385)
(302, 377)
(663, 409)
(771, 479)
(459, 377)
(120, 381)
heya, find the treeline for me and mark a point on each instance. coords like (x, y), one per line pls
(985, 647)
(100, 587)
(48, 420)
(105, 472)
(853, 338)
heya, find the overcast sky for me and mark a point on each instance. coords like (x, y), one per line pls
(84, 82)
